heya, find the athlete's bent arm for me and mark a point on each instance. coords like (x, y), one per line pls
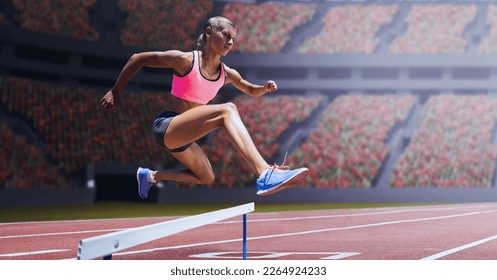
(246, 87)
(177, 60)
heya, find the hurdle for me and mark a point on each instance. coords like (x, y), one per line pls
(104, 246)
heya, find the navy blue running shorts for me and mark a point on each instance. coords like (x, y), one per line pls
(159, 128)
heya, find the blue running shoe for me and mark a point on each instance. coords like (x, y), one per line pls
(143, 184)
(276, 178)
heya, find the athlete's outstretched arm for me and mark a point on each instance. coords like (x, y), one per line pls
(245, 86)
(168, 59)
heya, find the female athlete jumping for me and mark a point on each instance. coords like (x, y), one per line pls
(198, 76)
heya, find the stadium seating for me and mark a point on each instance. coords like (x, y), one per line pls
(350, 29)
(22, 165)
(75, 129)
(266, 28)
(452, 146)
(170, 24)
(435, 28)
(57, 17)
(348, 147)
(489, 44)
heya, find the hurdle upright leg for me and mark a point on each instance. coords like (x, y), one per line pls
(244, 236)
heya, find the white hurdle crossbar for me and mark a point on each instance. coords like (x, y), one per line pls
(104, 246)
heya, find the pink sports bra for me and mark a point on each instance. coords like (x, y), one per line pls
(194, 87)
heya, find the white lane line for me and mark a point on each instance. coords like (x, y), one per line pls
(20, 254)
(308, 232)
(460, 248)
(340, 215)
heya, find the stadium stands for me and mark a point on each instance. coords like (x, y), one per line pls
(163, 25)
(23, 166)
(348, 147)
(266, 28)
(350, 29)
(57, 17)
(435, 28)
(75, 129)
(452, 146)
(488, 44)
(370, 49)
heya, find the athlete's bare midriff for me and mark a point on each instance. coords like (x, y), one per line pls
(178, 105)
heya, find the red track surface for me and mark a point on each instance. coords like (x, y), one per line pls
(463, 231)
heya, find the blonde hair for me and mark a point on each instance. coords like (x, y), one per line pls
(216, 24)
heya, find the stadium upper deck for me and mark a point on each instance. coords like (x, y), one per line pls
(325, 45)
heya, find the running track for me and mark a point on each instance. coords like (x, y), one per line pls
(450, 232)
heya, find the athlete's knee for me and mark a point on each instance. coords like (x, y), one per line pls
(231, 106)
(230, 110)
(226, 114)
(207, 178)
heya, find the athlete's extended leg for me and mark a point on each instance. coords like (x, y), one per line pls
(208, 118)
(198, 122)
